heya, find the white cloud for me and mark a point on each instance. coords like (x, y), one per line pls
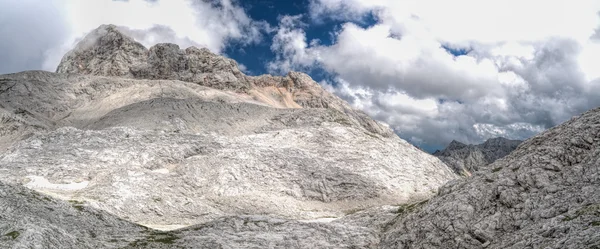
(243, 68)
(210, 24)
(530, 65)
(290, 45)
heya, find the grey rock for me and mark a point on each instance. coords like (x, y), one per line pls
(545, 194)
(168, 138)
(104, 51)
(467, 159)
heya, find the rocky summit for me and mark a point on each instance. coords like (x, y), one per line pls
(466, 159)
(129, 147)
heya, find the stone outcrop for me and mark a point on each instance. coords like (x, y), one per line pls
(466, 159)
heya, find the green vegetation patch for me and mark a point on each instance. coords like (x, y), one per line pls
(592, 209)
(350, 211)
(79, 205)
(407, 208)
(155, 237)
(165, 238)
(13, 234)
(342, 121)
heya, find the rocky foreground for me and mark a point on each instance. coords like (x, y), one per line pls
(545, 194)
(128, 147)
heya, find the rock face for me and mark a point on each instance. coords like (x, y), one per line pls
(466, 159)
(169, 138)
(545, 194)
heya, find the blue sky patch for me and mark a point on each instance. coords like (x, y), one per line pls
(255, 57)
(456, 51)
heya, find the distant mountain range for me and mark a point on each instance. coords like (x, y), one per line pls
(465, 159)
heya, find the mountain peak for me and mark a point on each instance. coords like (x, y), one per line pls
(468, 158)
(104, 51)
(107, 51)
(454, 145)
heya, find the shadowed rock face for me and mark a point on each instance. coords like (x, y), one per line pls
(466, 159)
(545, 194)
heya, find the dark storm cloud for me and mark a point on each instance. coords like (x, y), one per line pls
(29, 29)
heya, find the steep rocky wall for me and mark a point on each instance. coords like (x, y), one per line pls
(546, 194)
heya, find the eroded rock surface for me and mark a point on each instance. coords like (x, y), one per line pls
(33, 220)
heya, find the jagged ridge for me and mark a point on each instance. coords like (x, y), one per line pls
(466, 159)
(107, 51)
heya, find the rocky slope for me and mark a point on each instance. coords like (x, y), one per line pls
(466, 159)
(545, 194)
(169, 138)
(32, 220)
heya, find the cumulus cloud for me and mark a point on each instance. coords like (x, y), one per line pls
(529, 65)
(60, 23)
(290, 45)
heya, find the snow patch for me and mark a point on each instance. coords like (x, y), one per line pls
(38, 182)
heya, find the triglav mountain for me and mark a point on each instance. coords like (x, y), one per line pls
(169, 138)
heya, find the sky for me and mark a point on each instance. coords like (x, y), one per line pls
(433, 70)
